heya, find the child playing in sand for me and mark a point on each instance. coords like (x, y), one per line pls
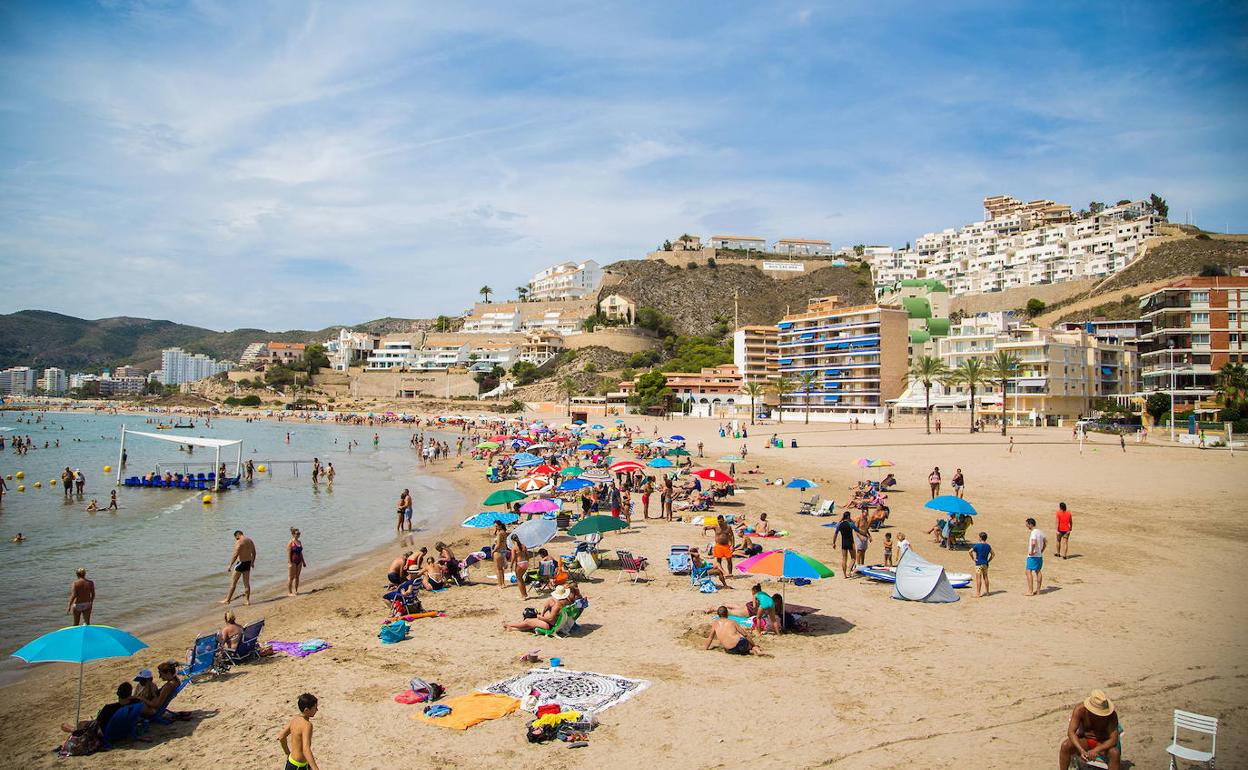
(888, 549)
(299, 733)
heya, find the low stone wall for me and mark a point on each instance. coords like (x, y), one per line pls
(622, 340)
(361, 384)
(1012, 299)
(793, 268)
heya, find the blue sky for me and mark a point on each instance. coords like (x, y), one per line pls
(301, 164)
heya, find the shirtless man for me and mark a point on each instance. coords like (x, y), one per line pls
(296, 736)
(861, 538)
(1092, 731)
(395, 573)
(724, 542)
(728, 634)
(241, 561)
(81, 598)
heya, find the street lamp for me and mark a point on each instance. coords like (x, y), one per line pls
(1170, 345)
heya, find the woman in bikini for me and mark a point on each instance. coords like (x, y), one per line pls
(519, 564)
(294, 554)
(499, 552)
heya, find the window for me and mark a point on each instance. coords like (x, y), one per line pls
(1200, 318)
(1200, 296)
(1200, 339)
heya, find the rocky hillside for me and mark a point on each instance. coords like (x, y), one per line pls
(39, 338)
(696, 298)
(587, 368)
(1181, 257)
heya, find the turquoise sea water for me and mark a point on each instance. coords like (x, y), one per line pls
(165, 551)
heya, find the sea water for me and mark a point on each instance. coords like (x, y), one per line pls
(165, 552)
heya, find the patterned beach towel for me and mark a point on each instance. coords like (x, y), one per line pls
(300, 649)
(580, 690)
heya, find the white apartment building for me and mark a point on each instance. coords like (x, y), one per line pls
(349, 348)
(395, 351)
(54, 381)
(252, 354)
(564, 317)
(569, 280)
(1022, 244)
(177, 366)
(802, 247)
(18, 381)
(739, 242)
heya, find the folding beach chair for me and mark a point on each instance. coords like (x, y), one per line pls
(808, 506)
(630, 565)
(203, 657)
(565, 623)
(1195, 723)
(678, 560)
(164, 715)
(1099, 762)
(123, 726)
(248, 644)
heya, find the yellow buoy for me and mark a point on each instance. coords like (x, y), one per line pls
(21, 474)
(38, 485)
(261, 468)
(51, 482)
(108, 469)
(21, 487)
(206, 499)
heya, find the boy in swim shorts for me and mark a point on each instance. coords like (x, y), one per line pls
(296, 736)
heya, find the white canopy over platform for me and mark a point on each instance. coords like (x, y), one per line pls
(211, 443)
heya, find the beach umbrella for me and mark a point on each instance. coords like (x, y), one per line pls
(660, 462)
(504, 496)
(882, 464)
(573, 485)
(578, 422)
(587, 447)
(499, 437)
(540, 505)
(539, 446)
(535, 532)
(79, 644)
(784, 563)
(619, 422)
(486, 519)
(678, 452)
(713, 474)
(531, 485)
(597, 427)
(571, 470)
(800, 484)
(545, 470)
(627, 466)
(560, 439)
(863, 462)
(526, 460)
(731, 459)
(950, 504)
(596, 475)
(488, 445)
(597, 524)
(642, 441)
(678, 438)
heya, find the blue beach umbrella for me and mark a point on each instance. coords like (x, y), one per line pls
(486, 519)
(79, 644)
(578, 422)
(800, 484)
(678, 438)
(660, 462)
(597, 427)
(572, 485)
(526, 460)
(589, 447)
(950, 504)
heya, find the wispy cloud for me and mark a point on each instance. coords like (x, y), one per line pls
(387, 157)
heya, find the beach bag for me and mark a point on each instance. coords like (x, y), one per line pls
(81, 743)
(433, 690)
(529, 613)
(393, 632)
(707, 586)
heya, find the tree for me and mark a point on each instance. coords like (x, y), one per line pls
(928, 369)
(1003, 367)
(1157, 405)
(1035, 307)
(806, 381)
(859, 249)
(753, 390)
(782, 387)
(485, 291)
(522, 292)
(1122, 202)
(1158, 205)
(651, 390)
(1233, 380)
(653, 320)
(314, 359)
(1095, 207)
(970, 374)
(667, 246)
(442, 323)
(1212, 271)
(524, 372)
(568, 386)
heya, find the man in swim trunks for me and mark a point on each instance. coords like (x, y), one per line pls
(296, 736)
(241, 561)
(81, 598)
(726, 631)
(845, 530)
(1036, 543)
(1092, 731)
(395, 573)
(724, 541)
(862, 537)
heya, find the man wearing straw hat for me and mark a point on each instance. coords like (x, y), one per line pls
(1092, 731)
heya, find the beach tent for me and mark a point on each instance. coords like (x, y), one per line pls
(918, 580)
(216, 444)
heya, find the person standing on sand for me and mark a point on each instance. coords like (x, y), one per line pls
(724, 542)
(242, 560)
(1065, 523)
(81, 598)
(845, 531)
(1035, 558)
(296, 736)
(981, 555)
(294, 554)
(499, 552)
(933, 481)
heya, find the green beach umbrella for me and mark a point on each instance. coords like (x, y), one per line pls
(488, 445)
(678, 452)
(597, 524)
(729, 459)
(573, 470)
(504, 496)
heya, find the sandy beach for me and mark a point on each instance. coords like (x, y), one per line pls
(1150, 607)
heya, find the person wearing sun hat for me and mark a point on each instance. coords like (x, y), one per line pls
(1092, 731)
(145, 689)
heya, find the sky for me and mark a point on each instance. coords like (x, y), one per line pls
(296, 165)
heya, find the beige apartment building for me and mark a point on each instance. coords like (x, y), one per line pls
(754, 351)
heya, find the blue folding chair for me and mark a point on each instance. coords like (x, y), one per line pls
(203, 657)
(248, 644)
(123, 726)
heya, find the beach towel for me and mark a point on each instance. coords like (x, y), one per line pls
(300, 649)
(409, 697)
(469, 710)
(580, 690)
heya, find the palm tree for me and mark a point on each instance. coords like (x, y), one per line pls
(782, 387)
(972, 374)
(522, 292)
(753, 390)
(568, 386)
(928, 369)
(1234, 381)
(807, 381)
(1003, 367)
(485, 291)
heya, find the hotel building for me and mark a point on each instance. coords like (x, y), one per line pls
(569, 280)
(857, 354)
(754, 351)
(713, 391)
(177, 366)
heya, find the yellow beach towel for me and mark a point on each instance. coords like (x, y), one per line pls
(468, 710)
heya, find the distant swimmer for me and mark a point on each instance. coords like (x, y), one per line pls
(18, 538)
(112, 500)
(93, 506)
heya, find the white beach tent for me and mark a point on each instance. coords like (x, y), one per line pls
(918, 580)
(212, 443)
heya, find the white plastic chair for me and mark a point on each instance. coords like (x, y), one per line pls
(1196, 723)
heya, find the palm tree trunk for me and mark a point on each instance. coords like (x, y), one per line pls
(972, 409)
(808, 406)
(751, 408)
(927, 406)
(1005, 384)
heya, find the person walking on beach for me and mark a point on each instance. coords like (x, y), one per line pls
(67, 482)
(933, 481)
(959, 481)
(845, 531)
(242, 560)
(1065, 523)
(294, 554)
(296, 736)
(724, 542)
(1036, 544)
(981, 554)
(81, 598)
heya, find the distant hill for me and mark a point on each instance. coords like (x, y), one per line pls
(695, 298)
(39, 338)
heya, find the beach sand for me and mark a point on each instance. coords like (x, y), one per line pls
(1150, 607)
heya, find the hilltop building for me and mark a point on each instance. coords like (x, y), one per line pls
(349, 348)
(739, 242)
(560, 316)
(476, 351)
(568, 280)
(800, 247)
